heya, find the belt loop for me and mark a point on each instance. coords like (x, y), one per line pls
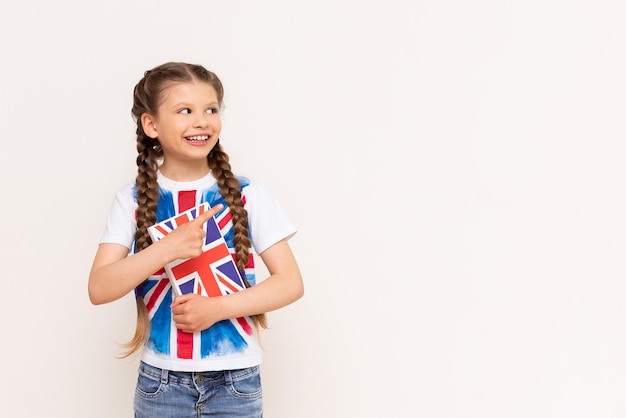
(164, 374)
(228, 377)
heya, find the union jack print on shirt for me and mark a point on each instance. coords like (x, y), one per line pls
(216, 275)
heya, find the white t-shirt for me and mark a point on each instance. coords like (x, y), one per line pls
(229, 344)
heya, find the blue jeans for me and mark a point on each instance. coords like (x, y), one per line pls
(167, 394)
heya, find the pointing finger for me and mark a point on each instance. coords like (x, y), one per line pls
(203, 217)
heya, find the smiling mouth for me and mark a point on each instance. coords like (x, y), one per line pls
(197, 138)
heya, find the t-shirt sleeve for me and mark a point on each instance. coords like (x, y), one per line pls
(121, 224)
(268, 221)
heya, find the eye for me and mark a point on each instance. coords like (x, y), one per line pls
(212, 110)
(185, 111)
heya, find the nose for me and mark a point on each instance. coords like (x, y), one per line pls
(202, 120)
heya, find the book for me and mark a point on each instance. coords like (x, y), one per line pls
(214, 272)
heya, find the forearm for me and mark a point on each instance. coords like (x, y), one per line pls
(111, 280)
(282, 287)
(273, 293)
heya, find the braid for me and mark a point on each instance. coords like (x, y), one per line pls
(230, 189)
(148, 151)
(147, 194)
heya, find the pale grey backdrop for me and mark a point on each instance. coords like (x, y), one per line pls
(456, 171)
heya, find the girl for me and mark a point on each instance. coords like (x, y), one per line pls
(200, 355)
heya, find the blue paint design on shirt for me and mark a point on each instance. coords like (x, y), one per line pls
(221, 338)
(160, 325)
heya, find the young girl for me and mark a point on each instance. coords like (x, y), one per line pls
(200, 355)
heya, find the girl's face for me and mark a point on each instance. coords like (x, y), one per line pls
(187, 123)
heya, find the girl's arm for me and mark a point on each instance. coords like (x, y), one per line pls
(283, 286)
(114, 273)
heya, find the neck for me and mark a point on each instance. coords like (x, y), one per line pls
(186, 172)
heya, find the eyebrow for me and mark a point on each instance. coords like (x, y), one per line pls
(189, 104)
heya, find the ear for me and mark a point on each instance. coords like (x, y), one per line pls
(148, 122)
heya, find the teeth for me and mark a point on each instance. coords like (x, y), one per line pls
(198, 138)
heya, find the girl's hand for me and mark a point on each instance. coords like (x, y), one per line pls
(193, 313)
(186, 241)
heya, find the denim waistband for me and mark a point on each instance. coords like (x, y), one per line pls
(208, 377)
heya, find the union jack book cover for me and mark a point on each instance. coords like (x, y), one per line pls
(214, 272)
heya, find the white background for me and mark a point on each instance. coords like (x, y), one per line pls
(455, 169)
